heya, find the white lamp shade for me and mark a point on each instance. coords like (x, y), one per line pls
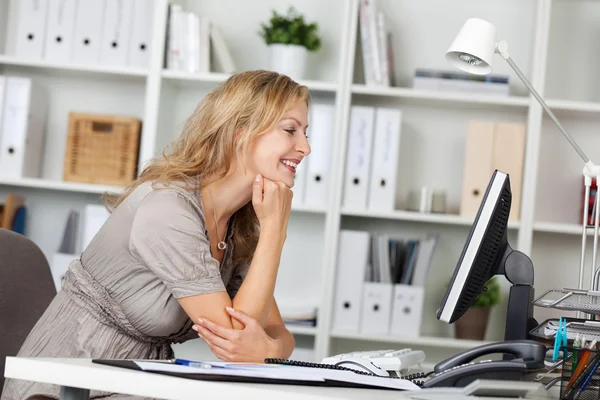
(473, 48)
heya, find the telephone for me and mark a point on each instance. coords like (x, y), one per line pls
(521, 357)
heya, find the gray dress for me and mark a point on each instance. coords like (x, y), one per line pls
(118, 300)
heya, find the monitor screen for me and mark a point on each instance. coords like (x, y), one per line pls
(483, 252)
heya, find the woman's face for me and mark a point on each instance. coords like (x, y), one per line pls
(276, 153)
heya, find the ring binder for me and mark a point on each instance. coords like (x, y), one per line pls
(414, 378)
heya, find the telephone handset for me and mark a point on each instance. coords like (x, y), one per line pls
(458, 371)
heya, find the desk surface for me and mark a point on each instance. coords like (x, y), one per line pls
(82, 373)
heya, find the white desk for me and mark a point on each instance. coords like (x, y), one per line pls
(78, 376)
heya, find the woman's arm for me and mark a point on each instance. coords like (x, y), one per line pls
(272, 202)
(254, 297)
(276, 329)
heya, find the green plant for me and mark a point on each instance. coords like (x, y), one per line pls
(291, 29)
(490, 297)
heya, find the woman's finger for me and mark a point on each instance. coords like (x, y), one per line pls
(214, 339)
(257, 190)
(240, 316)
(219, 330)
(221, 353)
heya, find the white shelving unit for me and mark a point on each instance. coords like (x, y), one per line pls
(544, 38)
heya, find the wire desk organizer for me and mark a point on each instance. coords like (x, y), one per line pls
(570, 299)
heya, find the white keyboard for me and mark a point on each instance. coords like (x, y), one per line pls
(389, 360)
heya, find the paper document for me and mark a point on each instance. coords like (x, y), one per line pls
(284, 372)
(184, 369)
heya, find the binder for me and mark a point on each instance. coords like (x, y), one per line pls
(509, 157)
(278, 371)
(60, 31)
(376, 307)
(386, 147)
(492, 145)
(10, 209)
(358, 159)
(116, 32)
(221, 51)
(141, 34)
(479, 158)
(353, 256)
(318, 180)
(23, 128)
(31, 28)
(407, 310)
(299, 188)
(94, 217)
(89, 20)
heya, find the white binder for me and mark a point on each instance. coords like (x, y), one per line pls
(2, 102)
(299, 188)
(61, 27)
(386, 146)
(353, 256)
(376, 308)
(31, 28)
(94, 217)
(141, 33)
(318, 179)
(407, 310)
(23, 126)
(116, 32)
(358, 159)
(88, 32)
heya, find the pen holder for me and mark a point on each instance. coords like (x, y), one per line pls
(580, 379)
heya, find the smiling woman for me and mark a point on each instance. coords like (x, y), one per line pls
(197, 238)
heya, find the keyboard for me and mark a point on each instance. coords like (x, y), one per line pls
(388, 360)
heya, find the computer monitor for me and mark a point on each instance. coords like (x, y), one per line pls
(487, 253)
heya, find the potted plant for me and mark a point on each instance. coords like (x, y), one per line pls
(290, 39)
(473, 324)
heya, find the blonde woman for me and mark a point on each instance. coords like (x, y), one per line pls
(192, 247)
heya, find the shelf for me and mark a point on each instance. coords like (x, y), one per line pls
(73, 69)
(62, 186)
(184, 79)
(448, 97)
(560, 228)
(573, 105)
(302, 330)
(308, 209)
(426, 341)
(444, 219)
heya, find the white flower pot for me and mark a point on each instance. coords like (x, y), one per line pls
(288, 59)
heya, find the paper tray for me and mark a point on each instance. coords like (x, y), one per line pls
(570, 299)
(589, 329)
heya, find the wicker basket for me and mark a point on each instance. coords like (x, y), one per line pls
(102, 149)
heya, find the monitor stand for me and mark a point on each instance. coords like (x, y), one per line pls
(518, 269)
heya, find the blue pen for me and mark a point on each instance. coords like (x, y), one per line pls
(195, 364)
(588, 378)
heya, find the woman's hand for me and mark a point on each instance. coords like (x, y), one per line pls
(272, 202)
(251, 344)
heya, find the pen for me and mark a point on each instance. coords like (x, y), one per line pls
(589, 377)
(195, 364)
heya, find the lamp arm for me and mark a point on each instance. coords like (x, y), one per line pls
(501, 49)
(590, 170)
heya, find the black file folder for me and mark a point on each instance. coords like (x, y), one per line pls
(130, 364)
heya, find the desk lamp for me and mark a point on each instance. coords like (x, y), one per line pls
(473, 51)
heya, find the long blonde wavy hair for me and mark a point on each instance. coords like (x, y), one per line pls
(223, 125)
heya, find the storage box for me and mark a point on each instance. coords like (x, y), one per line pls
(102, 149)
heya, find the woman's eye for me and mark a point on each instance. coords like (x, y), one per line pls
(290, 131)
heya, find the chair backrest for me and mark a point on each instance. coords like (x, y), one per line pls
(26, 290)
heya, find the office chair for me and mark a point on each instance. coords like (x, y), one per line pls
(26, 290)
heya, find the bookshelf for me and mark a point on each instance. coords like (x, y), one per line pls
(544, 37)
